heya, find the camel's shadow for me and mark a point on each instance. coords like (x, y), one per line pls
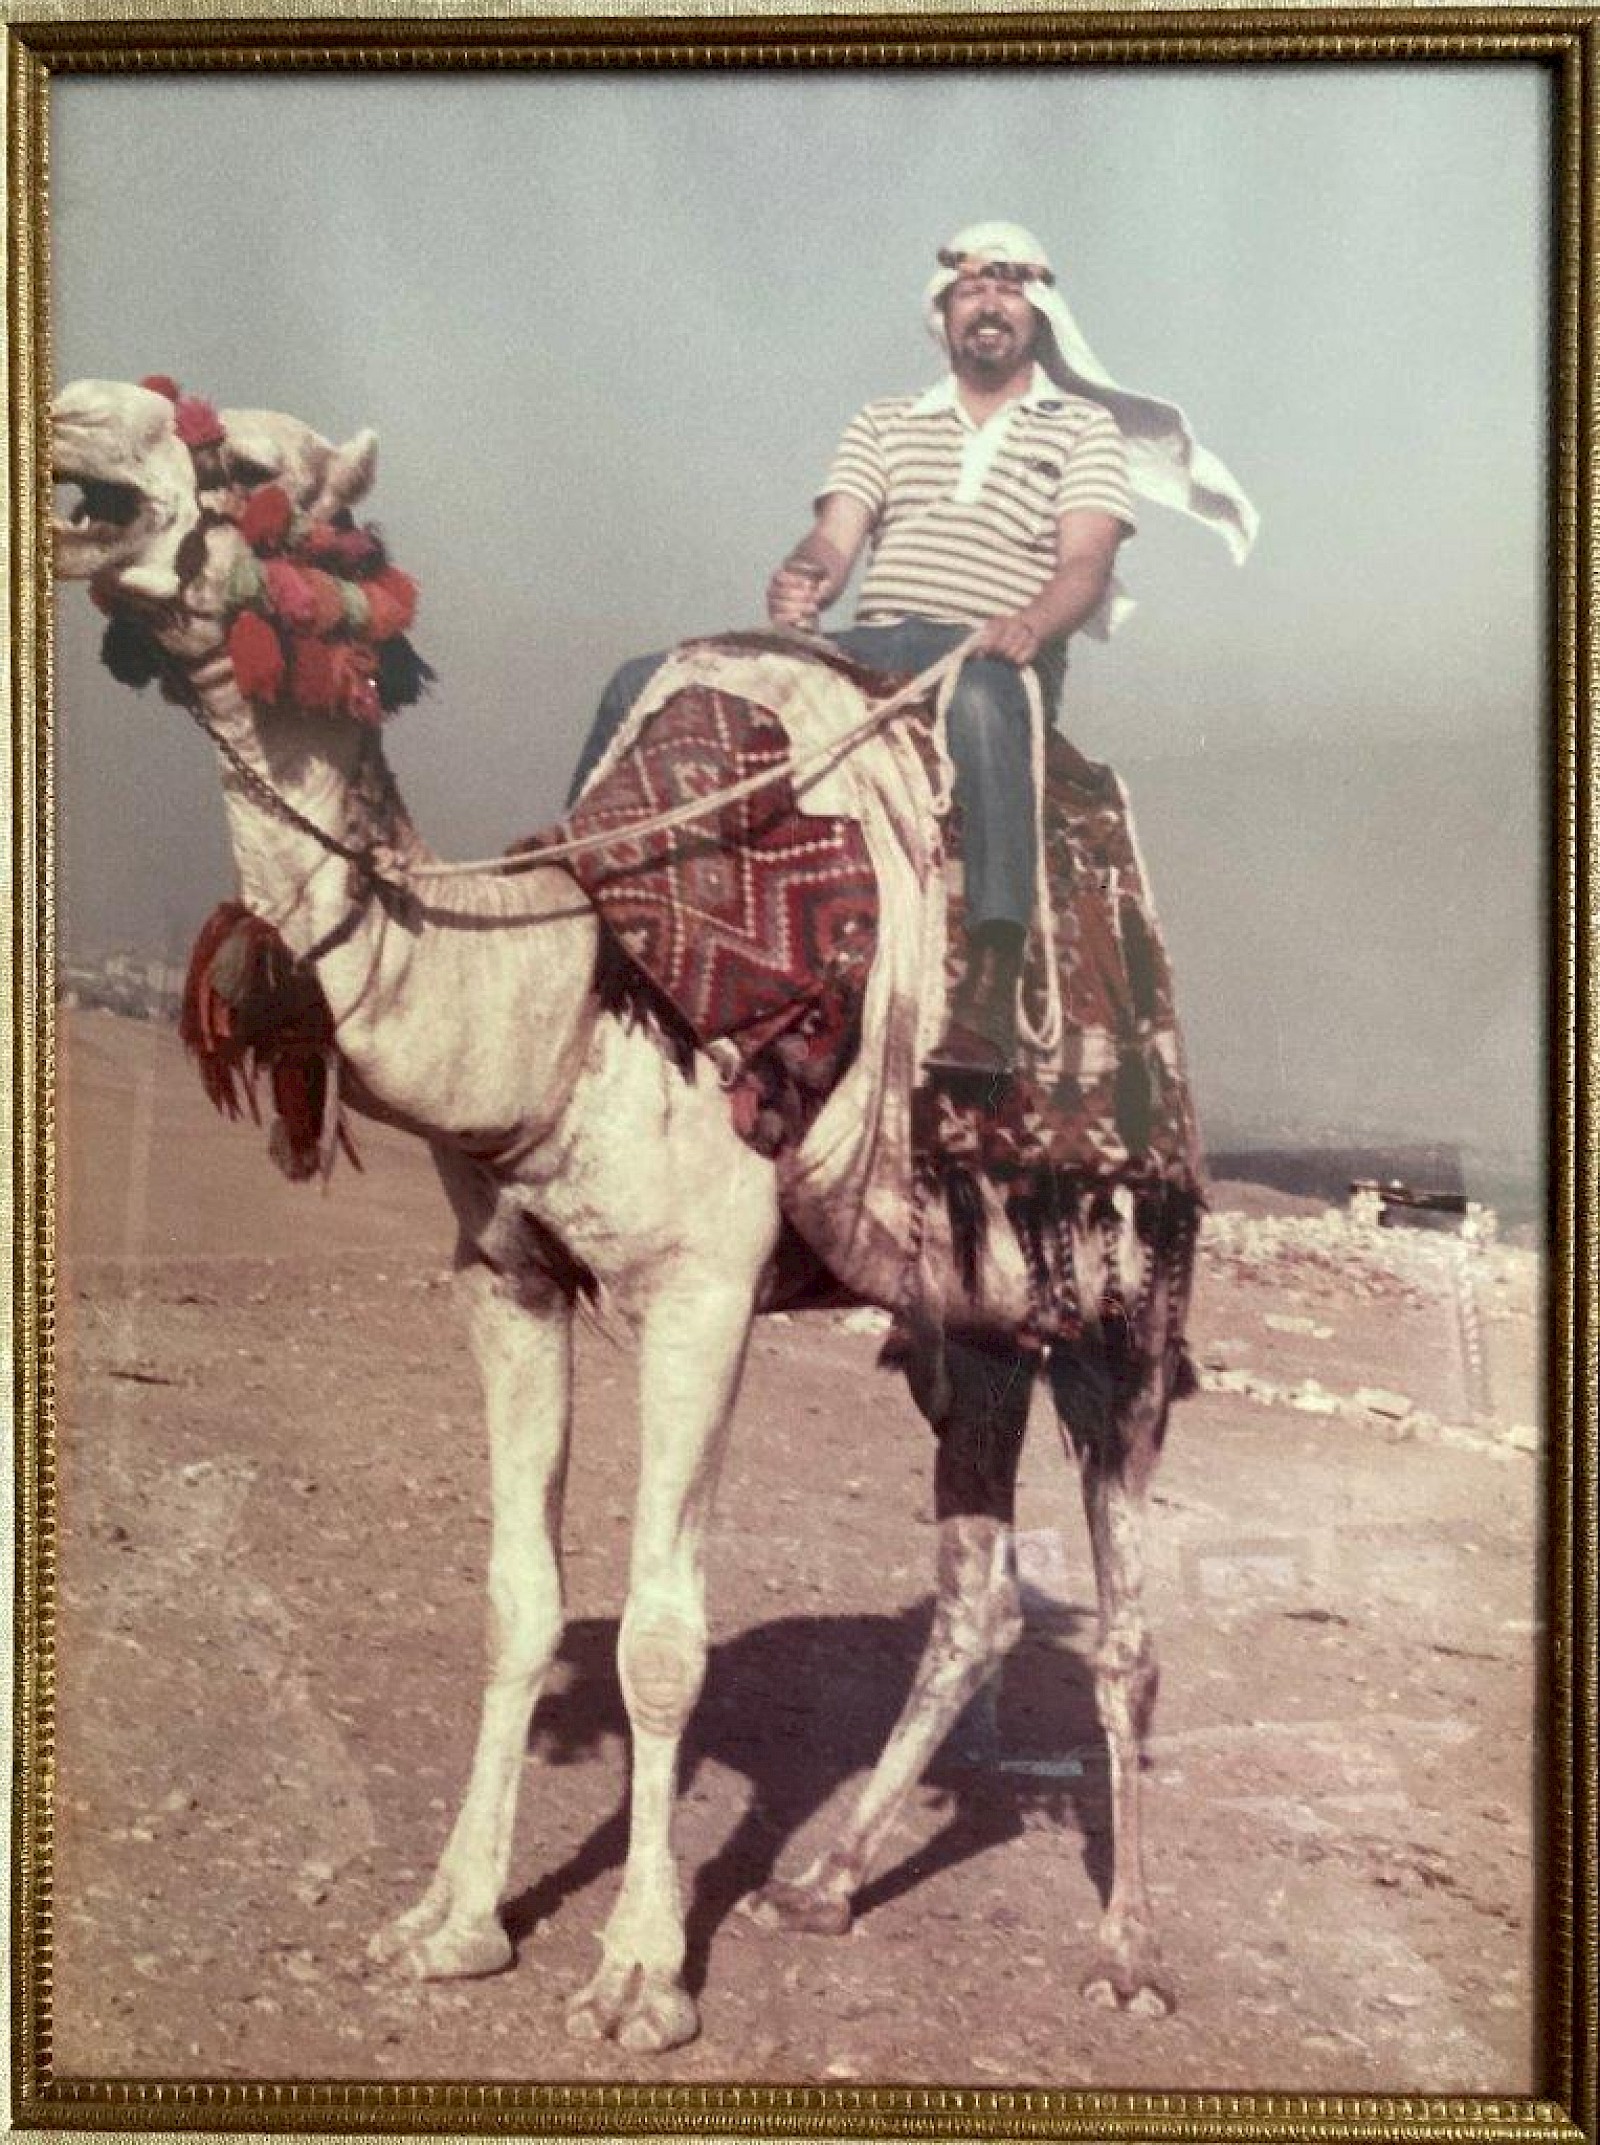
(801, 1705)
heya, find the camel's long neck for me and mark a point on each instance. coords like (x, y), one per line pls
(462, 1010)
(287, 874)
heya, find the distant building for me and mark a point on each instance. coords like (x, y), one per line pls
(134, 984)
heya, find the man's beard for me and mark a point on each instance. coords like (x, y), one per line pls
(997, 362)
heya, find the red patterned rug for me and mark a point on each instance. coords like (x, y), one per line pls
(755, 930)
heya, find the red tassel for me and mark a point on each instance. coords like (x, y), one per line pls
(198, 424)
(256, 654)
(392, 599)
(265, 517)
(314, 677)
(248, 1010)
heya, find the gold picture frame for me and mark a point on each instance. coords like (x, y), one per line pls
(48, 43)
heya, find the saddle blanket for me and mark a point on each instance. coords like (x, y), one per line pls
(807, 935)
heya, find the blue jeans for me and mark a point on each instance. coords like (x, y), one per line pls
(990, 749)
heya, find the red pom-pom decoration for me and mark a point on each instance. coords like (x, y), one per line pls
(198, 424)
(392, 599)
(315, 678)
(160, 383)
(360, 688)
(256, 654)
(333, 546)
(290, 595)
(266, 516)
(327, 604)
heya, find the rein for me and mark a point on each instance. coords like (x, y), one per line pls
(798, 771)
(377, 868)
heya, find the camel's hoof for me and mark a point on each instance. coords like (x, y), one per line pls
(638, 2009)
(797, 1907)
(1115, 1988)
(448, 1953)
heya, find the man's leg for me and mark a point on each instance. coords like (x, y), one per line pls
(991, 749)
(616, 703)
(989, 735)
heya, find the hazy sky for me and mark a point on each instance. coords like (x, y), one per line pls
(608, 330)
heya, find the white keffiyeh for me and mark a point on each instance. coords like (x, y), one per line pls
(1165, 461)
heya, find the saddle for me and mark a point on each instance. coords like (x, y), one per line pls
(808, 934)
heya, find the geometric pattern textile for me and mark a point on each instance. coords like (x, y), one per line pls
(757, 927)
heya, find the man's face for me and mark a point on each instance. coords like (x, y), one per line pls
(990, 324)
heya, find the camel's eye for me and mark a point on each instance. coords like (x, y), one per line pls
(245, 471)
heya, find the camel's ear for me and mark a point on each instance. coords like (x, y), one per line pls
(350, 473)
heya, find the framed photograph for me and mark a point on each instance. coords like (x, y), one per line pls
(1087, 903)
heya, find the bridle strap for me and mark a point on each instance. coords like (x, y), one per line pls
(362, 861)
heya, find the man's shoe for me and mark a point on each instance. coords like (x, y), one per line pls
(980, 1034)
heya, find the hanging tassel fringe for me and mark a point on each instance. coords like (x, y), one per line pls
(249, 1010)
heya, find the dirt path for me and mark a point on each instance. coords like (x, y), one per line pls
(274, 1529)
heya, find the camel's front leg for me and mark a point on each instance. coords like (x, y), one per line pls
(976, 1619)
(523, 1349)
(692, 1350)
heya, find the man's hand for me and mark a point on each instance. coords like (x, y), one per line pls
(1015, 637)
(819, 565)
(794, 594)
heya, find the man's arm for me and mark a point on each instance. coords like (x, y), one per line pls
(1086, 551)
(820, 564)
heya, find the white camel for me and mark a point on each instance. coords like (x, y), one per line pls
(572, 1149)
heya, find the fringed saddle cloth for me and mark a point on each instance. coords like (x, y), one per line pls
(807, 935)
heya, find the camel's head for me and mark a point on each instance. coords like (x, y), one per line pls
(154, 468)
(205, 531)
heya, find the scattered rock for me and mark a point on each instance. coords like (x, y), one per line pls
(1313, 1399)
(1231, 1381)
(137, 1374)
(1293, 1322)
(1377, 1400)
(1521, 1437)
(864, 1320)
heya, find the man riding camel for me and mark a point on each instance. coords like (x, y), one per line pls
(997, 500)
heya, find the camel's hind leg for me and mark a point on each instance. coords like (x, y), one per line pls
(522, 1340)
(979, 1414)
(1117, 1439)
(692, 1344)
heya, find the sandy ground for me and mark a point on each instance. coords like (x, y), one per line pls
(273, 1532)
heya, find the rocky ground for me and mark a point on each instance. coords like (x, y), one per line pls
(273, 1529)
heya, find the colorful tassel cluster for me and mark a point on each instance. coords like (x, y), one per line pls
(319, 615)
(197, 423)
(248, 1009)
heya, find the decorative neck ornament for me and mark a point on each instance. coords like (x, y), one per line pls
(316, 613)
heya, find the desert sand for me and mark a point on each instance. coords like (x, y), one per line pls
(273, 1527)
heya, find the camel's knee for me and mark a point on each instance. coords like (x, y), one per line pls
(662, 1662)
(522, 1630)
(1127, 1677)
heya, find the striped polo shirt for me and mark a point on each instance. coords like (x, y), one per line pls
(965, 516)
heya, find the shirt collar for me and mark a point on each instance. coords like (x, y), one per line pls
(942, 395)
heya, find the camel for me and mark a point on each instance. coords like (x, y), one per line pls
(469, 1017)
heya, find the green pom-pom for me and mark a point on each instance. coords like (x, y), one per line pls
(246, 582)
(357, 610)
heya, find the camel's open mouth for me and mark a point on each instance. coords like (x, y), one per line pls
(101, 508)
